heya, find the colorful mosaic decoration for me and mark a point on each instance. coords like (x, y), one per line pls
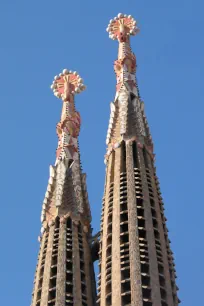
(65, 86)
(121, 27)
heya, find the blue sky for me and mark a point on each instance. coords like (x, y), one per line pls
(40, 38)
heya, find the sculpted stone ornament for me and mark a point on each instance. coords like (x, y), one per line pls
(121, 28)
(60, 180)
(65, 86)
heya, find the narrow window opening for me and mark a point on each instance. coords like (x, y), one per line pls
(161, 281)
(126, 299)
(141, 223)
(146, 293)
(69, 288)
(125, 274)
(124, 238)
(145, 158)
(123, 157)
(154, 215)
(163, 293)
(152, 202)
(156, 234)
(142, 233)
(144, 268)
(155, 223)
(69, 277)
(134, 152)
(123, 217)
(112, 167)
(125, 287)
(124, 227)
(52, 295)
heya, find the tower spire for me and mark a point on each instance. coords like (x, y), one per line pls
(126, 119)
(121, 28)
(135, 260)
(65, 86)
(64, 274)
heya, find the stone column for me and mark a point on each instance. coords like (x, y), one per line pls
(76, 265)
(104, 234)
(37, 275)
(87, 260)
(116, 273)
(134, 250)
(61, 267)
(162, 238)
(153, 266)
(48, 260)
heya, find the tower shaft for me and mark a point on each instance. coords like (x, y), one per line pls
(135, 260)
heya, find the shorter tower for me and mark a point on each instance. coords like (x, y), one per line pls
(64, 274)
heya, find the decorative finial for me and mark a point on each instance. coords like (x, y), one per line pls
(121, 27)
(67, 84)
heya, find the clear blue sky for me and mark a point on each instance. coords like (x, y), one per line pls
(40, 38)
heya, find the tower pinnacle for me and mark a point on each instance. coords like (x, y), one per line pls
(65, 86)
(120, 28)
(127, 96)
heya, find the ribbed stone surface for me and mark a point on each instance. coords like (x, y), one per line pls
(162, 239)
(76, 267)
(58, 239)
(104, 234)
(116, 273)
(61, 267)
(154, 274)
(48, 260)
(37, 276)
(135, 271)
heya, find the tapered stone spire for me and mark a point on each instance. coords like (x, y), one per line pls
(135, 260)
(64, 274)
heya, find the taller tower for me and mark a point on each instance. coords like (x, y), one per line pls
(135, 260)
(64, 274)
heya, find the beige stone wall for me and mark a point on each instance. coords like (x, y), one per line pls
(116, 276)
(154, 275)
(61, 267)
(135, 270)
(68, 268)
(47, 269)
(149, 259)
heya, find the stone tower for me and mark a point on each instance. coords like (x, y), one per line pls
(64, 274)
(136, 264)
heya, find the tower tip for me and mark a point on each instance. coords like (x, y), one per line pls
(121, 27)
(67, 83)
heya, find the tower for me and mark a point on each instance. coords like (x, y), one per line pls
(64, 274)
(136, 264)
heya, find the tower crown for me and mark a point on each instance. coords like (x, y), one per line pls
(67, 84)
(121, 27)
